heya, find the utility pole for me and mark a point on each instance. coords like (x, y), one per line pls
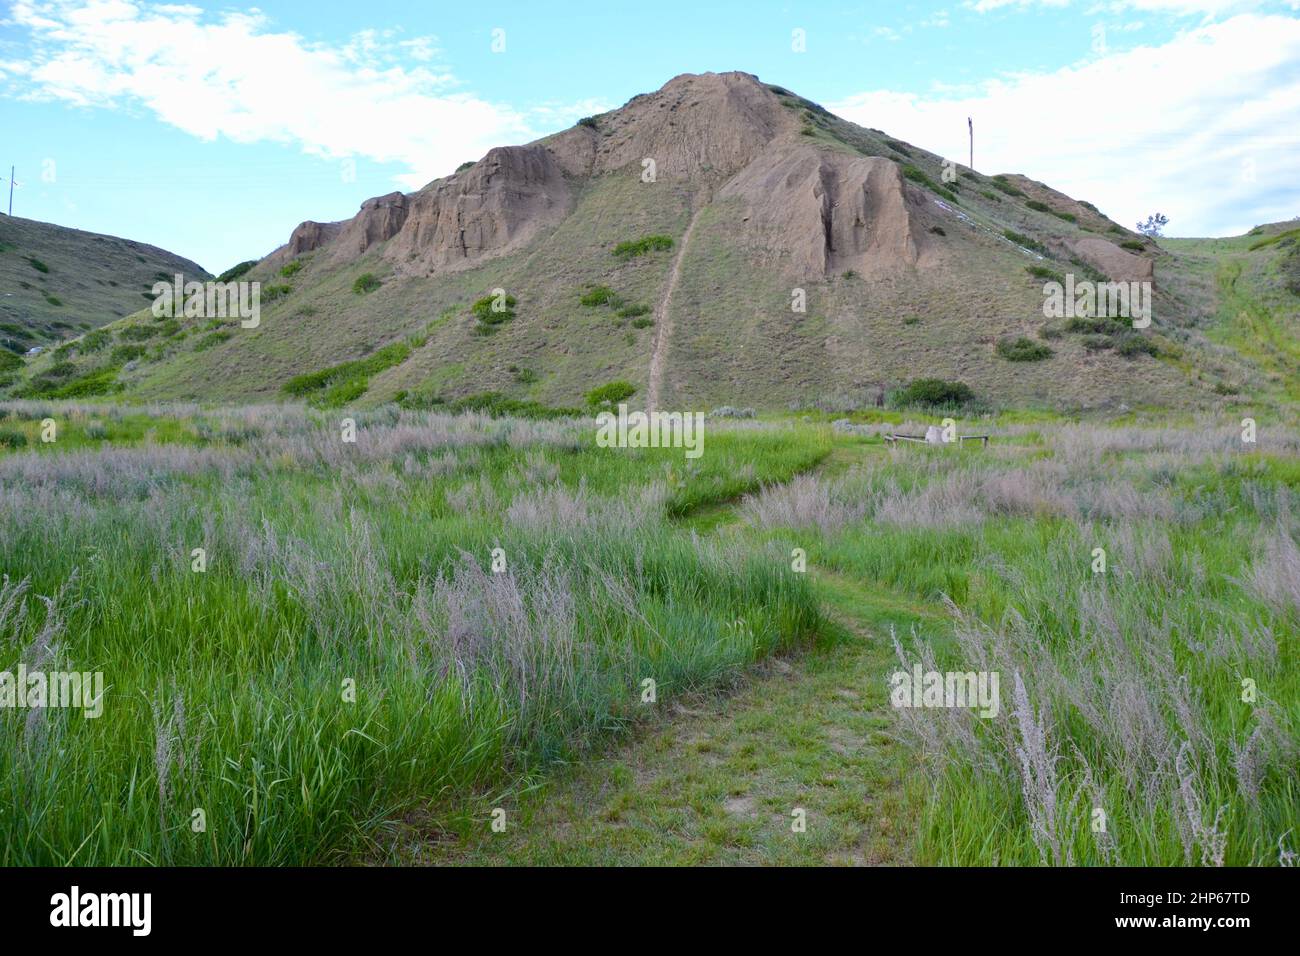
(970, 124)
(11, 191)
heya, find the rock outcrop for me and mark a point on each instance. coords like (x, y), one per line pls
(1108, 258)
(496, 206)
(819, 212)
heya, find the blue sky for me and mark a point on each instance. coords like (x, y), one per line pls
(213, 130)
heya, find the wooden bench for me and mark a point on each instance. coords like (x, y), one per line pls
(920, 439)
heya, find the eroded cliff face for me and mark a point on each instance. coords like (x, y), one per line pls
(816, 212)
(699, 128)
(496, 206)
(490, 209)
(1109, 259)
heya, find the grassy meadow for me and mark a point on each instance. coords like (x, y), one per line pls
(384, 640)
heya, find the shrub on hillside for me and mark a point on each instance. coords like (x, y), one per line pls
(1136, 344)
(291, 268)
(1027, 242)
(235, 271)
(639, 247)
(610, 394)
(366, 282)
(12, 438)
(126, 353)
(934, 393)
(600, 295)
(1046, 274)
(212, 339)
(1023, 349)
(493, 310)
(1038, 206)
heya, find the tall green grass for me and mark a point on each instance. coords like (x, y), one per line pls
(349, 655)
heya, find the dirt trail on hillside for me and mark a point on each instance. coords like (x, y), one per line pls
(663, 318)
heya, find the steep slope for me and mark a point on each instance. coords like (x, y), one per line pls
(56, 283)
(827, 263)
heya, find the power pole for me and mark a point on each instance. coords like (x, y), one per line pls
(970, 124)
(11, 190)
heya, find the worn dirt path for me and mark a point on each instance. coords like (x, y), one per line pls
(663, 318)
(717, 778)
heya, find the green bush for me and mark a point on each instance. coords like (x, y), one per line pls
(1089, 326)
(8, 360)
(358, 369)
(54, 300)
(126, 353)
(1023, 349)
(1002, 185)
(291, 268)
(272, 292)
(11, 438)
(934, 393)
(1133, 245)
(1038, 206)
(610, 394)
(642, 323)
(589, 122)
(484, 312)
(46, 385)
(916, 176)
(37, 264)
(366, 282)
(600, 295)
(94, 341)
(639, 247)
(497, 405)
(632, 311)
(1027, 242)
(212, 339)
(336, 396)
(1096, 343)
(1131, 346)
(138, 333)
(1046, 274)
(234, 272)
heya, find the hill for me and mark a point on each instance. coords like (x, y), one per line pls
(57, 283)
(669, 243)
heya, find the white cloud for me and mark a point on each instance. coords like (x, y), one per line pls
(234, 75)
(1204, 128)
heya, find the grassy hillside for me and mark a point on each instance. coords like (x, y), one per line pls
(57, 283)
(959, 296)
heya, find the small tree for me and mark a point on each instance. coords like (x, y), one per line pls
(1153, 225)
